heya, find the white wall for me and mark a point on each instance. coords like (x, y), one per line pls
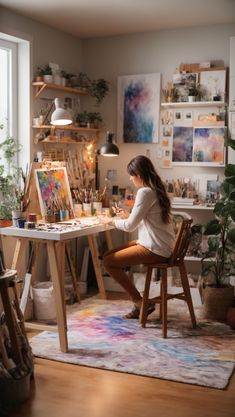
(147, 53)
(46, 45)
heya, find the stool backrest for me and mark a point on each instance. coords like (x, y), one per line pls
(181, 242)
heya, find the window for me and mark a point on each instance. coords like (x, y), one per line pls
(15, 78)
(8, 90)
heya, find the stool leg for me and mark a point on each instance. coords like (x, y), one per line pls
(186, 288)
(163, 304)
(144, 305)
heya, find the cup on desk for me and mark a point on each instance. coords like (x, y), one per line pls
(87, 209)
(77, 210)
(21, 223)
(97, 207)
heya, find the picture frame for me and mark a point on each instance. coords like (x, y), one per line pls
(199, 146)
(213, 84)
(138, 108)
(53, 190)
(178, 117)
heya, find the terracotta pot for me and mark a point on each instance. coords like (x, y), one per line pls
(5, 222)
(216, 302)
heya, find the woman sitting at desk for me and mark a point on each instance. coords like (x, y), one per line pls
(151, 214)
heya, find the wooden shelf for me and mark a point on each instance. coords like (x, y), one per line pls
(187, 104)
(53, 140)
(41, 86)
(68, 127)
(192, 207)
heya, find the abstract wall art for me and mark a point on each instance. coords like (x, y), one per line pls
(138, 108)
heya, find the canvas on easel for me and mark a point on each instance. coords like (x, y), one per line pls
(53, 190)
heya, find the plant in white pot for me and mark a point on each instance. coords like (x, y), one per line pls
(218, 263)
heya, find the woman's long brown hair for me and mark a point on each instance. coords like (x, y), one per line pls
(142, 166)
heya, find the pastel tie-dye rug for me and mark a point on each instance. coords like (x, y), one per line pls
(99, 337)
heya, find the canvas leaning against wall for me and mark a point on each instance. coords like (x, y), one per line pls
(138, 108)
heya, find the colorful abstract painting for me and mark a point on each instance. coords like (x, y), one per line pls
(53, 190)
(208, 145)
(182, 144)
(202, 146)
(138, 108)
(99, 337)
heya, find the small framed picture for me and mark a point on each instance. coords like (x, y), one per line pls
(188, 115)
(178, 116)
(167, 131)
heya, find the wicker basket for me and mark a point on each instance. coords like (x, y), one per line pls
(216, 302)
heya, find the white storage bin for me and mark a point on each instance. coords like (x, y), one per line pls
(44, 301)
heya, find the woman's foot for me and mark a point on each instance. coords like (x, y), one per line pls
(135, 312)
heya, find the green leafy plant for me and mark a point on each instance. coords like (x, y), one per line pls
(40, 72)
(47, 70)
(99, 89)
(12, 179)
(218, 263)
(82, 118)
(94, 118)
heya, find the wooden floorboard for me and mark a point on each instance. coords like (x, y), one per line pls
(64, 390)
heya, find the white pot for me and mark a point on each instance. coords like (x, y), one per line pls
(48, 79)
(191, 98)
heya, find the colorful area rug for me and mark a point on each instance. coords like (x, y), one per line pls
(99, 337)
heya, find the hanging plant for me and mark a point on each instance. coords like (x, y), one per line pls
(99, 89)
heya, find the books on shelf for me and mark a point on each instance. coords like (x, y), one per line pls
(182, 201)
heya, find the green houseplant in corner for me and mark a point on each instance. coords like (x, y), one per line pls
(11, 179)
(218, 263)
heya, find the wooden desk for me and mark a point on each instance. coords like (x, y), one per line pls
(55, 240)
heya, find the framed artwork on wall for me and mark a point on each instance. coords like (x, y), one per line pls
(53, 190)
(138, 108)
(208, 146)
(213, 85)
(182, 147)
(202, 146)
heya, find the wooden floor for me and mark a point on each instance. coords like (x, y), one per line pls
(64, 390)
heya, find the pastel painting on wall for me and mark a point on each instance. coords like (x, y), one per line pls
(208, 146)
(53, 190)
(138, 108)
(182, 145)
(202, 146)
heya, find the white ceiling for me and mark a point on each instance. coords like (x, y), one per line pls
(98, 18)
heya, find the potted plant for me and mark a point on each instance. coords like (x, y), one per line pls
(12, 181)
(39, 74)
(193, 92)
(99, 89)
(48, 77)
(82, 119)
(94, 119)
(218, 263)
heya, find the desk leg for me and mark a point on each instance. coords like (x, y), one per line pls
(73, 273)
(108, 239)
(96, 264)
(18, 253)
(59, 296)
